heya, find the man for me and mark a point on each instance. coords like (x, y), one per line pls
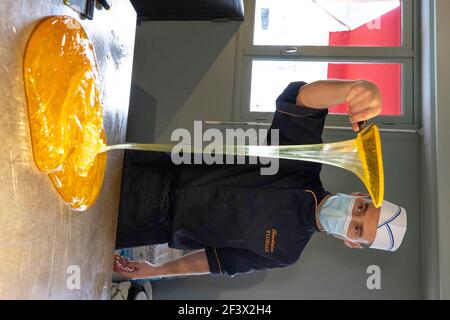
(241, 221)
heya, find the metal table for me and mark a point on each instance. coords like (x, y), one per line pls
(44, 245)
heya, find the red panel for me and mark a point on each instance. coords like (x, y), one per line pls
(386, 32)
(386, 76)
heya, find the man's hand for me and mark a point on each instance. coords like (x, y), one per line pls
(363, 97)
(364, 102)
(134, 269)
(195, 263)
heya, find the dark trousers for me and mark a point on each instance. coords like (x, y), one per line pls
(144, 200)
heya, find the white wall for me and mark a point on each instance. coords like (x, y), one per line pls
(436, 148)
(184, 71)
(428, 157)
(443, 140)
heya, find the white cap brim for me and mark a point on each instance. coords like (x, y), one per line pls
(391, 227)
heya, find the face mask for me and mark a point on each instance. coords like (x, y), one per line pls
(336, 213)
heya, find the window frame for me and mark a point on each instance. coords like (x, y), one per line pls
(407, 55)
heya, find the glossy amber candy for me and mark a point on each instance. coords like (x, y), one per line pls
(65, 109)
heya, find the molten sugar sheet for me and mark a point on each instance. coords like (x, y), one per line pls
(65, 109)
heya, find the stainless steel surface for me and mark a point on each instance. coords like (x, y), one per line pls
(267, 124)
(41, 239)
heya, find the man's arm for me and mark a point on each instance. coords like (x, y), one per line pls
(194, 263)
(363, 97)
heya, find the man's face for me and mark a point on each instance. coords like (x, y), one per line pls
(363, 226)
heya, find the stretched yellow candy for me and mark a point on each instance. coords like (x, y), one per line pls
(65, 110)
(361, 156)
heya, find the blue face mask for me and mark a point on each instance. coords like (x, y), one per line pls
(336, 213)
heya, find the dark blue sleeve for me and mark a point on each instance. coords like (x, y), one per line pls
(297, 124)
(232, 261)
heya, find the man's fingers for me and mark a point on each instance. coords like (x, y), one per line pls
(354, 91)
(134, 264)
(117, 267)
(359, 97)
(362, 116)
(357, 108)
(121, 266)
(121, 260)
(124, 271)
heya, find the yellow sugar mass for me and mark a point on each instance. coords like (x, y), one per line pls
(80, 191)
(65, 110)
(83, 157)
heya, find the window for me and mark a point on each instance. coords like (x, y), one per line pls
(263, 93)
(329, 23)
(307, 40)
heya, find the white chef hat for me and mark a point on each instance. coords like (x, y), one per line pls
(391, 227)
